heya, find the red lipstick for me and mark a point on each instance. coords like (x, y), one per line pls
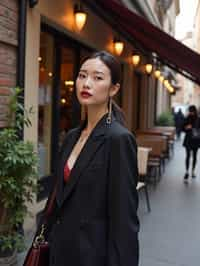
(85, 94)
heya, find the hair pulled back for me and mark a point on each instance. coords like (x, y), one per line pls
(115, 71)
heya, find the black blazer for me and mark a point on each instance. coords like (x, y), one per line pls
(94, 222)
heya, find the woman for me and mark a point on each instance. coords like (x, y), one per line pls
(191, 146)
(94, 221)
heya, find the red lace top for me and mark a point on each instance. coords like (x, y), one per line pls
(67, 172)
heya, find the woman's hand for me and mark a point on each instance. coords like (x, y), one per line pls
(188, 126)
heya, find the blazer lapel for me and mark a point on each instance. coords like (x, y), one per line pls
(60, 174)
(93, 143)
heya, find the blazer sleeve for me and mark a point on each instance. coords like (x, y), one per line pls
(123, 248)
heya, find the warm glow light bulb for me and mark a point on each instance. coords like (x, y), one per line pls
(157, 73)
(135, 59)
(171, 89)
(161, 78)
(63, 100)
(80, 19)
(148, 68)
(69, 83)
(166, 82)
(119, 46)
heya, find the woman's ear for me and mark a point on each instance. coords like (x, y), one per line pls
(114, 89)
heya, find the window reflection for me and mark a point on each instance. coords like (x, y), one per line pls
(66, 91)
(45, 102)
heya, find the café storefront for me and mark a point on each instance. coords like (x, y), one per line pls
(55, 47)
(54, 51)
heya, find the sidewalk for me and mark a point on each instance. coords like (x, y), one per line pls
(170, 234)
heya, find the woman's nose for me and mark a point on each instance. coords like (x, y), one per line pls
(87, 82)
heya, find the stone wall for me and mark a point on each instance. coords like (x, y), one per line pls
(8, 52)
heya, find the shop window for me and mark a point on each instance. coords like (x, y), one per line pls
(67, 87)
(45, 102)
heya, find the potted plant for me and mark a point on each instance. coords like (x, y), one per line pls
(165, 119)
(18, 172)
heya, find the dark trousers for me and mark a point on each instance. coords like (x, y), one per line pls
(190, 151)
(178, 132)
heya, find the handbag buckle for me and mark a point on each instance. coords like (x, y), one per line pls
(40, 238)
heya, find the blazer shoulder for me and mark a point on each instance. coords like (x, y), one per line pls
(118, 132)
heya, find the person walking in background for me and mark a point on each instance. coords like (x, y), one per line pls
(179, 121)
(190, 143)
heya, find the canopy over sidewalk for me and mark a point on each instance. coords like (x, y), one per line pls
(152, 39)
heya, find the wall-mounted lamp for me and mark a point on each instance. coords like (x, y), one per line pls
(80, 16)
(148, 68)
(118, 46)
(166, 83)
(135, 59)
(161, 78)
(172, 90)
(157, 73)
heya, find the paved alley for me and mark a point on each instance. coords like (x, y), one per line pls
(170, 234)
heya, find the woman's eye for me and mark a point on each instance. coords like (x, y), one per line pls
(98, 78)
(81, 75)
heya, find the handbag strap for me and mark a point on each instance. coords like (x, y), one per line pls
(39, 237)
(50, 202)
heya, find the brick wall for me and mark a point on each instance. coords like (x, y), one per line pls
(8, 52)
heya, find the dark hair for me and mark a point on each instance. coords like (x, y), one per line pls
(193, 109)
(115, 70)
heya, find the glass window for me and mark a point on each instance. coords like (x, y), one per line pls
(66, 91)
(45, 102)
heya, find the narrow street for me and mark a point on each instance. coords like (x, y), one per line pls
(170, 233)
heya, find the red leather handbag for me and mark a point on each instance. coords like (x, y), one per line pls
(38, 254)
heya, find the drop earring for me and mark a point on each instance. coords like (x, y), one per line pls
(109, 117)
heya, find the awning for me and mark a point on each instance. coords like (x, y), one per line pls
(170, 51)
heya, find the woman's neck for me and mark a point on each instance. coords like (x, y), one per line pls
(93, 116)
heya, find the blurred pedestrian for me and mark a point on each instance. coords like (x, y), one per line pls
(191, 143)
(94, 219)
(179, 121)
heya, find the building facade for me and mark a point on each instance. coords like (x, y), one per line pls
(197, 48)
(189, 92)
(54, 49)
(9, 16)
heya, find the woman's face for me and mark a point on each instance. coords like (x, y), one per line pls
(93, 84)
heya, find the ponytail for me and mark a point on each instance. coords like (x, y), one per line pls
(118, 114)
